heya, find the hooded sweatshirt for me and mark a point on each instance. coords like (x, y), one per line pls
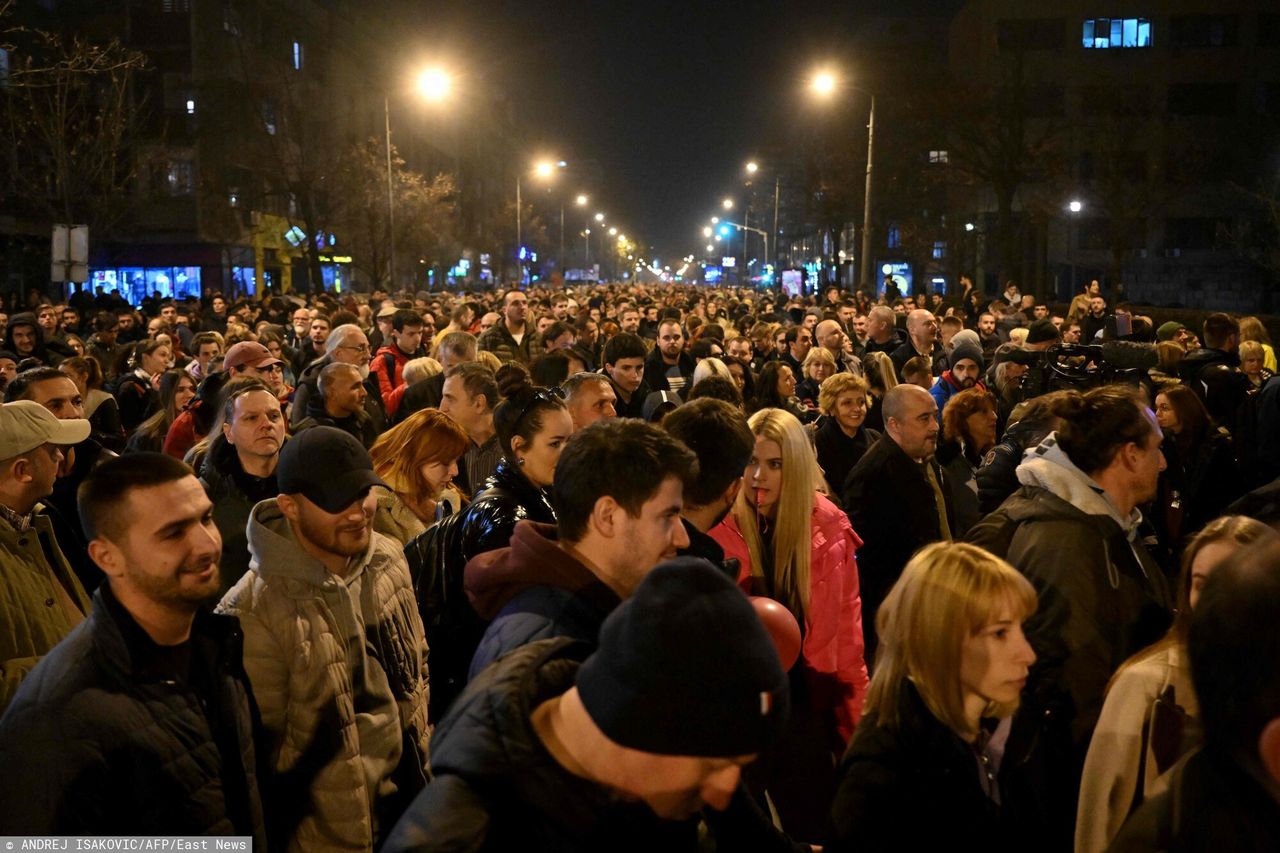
(533, 590)
(338, 660)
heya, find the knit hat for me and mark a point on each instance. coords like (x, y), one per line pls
(1168, 331)
(685, 667)
(327, 466)
(968, 350)
(1041, 331)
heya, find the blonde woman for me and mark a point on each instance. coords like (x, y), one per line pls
(1251, 329)
(881, 377)
(710, 367)
(1151, 711)
(795, 546)
(817, 366)
(842, 437)
(931, 766)
(418, 460)
(1253, 359)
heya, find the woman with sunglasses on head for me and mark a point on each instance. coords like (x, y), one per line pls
(936, 763)
(532, 425)
(795, 546)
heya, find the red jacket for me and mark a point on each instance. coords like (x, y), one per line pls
(832, 649)
(389, 380)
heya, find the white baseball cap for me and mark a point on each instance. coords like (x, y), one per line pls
(25, 425)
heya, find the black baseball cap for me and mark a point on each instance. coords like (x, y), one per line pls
(327, 466)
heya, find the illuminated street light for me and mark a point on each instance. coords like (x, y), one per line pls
(1075, 206)
(752, 167)
(582, 200)
(715, 220)
(710, 247)
(613, 232)
(727, 204)
(823, 84)
(545, 169)
(706, 232)
(599, 217)
(969, 226)
(434, 84)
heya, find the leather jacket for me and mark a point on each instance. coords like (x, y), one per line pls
(438, 557)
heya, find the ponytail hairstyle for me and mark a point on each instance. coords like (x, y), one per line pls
(522, 408)
(89, 367)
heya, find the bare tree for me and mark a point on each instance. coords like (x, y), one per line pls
(71, 118)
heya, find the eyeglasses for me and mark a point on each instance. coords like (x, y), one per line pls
(550, 396)
(363, 349)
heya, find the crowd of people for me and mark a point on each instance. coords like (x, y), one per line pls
(623, 567)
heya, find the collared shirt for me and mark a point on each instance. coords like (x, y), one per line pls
(20, 523)
(480, 460)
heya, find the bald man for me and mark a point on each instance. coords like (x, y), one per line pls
(922, 340)
(830, 335)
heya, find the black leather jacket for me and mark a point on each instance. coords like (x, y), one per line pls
(437, 559)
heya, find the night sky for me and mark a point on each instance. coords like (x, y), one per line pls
(671, 98)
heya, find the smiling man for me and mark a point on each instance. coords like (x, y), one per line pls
(669, 367)
(334, 647)
(150, 675)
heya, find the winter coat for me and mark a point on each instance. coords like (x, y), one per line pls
(1101, 599)
(1212, 804)
(961, 486)
(496, 788)
(137, 400)
(1193, 492)
(32, 617)
(388, 366)
(1149, 721)
(359, 426)
(499, 341)
(1215, 376)
(891, 504)
(100, 741)
(832, 650)
(533, 590)
(234, 495)
(655, 372)
(307, 399)
(907, 351)
(314, 657)
(946, 388)
(394, 519)
(888, 774)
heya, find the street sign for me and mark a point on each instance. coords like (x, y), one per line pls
(70, 253)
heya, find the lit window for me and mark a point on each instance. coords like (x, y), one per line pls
(191, 106)
(894, 237)
(297, 56)
(938, 156)
(1105, 33)
(180, 177)
(939, 249)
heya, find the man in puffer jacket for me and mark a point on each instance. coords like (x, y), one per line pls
(334, 649)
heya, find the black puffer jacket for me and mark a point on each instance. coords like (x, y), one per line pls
(97, 742)
(438, 558)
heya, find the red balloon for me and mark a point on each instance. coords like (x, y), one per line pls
(782, 627)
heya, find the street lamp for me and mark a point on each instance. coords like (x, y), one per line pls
(752, 167)
(543, 169)
(433, 84)
(599, 217)
(1075, 206)
(727, 204)
(824, 85)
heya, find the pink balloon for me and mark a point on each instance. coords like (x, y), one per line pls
(782, 628)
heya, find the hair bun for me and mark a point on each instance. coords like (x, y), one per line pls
(512, 379)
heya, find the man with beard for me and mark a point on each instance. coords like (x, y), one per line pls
(346, 344)
(669, 367)
(334, 649)
(966, 367)
(139, 722)
(511, 339)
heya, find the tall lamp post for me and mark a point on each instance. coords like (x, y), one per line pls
(543, 169)
(824, 84)
(1073, 237)
(432, 85)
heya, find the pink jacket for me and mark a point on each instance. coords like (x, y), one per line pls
(832, 651)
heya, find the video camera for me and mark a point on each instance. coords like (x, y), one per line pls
(1083, 366)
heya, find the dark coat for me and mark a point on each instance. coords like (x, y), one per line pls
(1194, 491)
(655, 371)
(1215, 376)
(891, 506)
(306, 398)
(499, 341)
(496, 788)
(886, 775)
(998, 475)
(112, 745)
(1101, 600)
(234, 495)
(1211, 804)
(907, 351)
(838, 453)
(438, 558)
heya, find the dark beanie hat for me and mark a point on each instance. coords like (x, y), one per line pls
(966, 350)
(685, 667)
(1041, 331)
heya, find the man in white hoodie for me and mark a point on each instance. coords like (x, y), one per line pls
(334, 649)
(1072, 529)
